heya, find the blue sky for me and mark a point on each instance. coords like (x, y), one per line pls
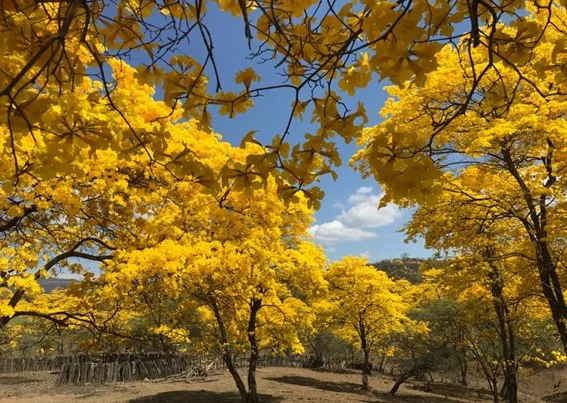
(348, 221)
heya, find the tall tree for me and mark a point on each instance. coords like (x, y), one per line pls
(367, 307)
(504, 157)
(244, 265)
(53, 218)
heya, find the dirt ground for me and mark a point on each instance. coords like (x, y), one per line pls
(275, 385)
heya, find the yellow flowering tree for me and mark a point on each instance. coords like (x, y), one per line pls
(244, 266)
(367, 306)
(103, 201)
(491, 272)
(502, 159)
(321, 51)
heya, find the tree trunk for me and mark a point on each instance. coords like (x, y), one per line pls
(494, 389)
(402, 378)
(255, 306)
(227, 357)
(512, 366)
(226, 353)
(461, 354)
(366, 372)
(464, 372)
(163, 344)
(536, 228)
(492, 379)
(552, 291)
(464, 381)
(506, 333)
(510, 387)
(490, 371)
(381, 365)
(366, 350)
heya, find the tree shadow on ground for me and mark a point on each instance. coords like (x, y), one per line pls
(199, 396)
(349, 387)
(448, 389)
(16, 380)
(556, 397)
(346, 387)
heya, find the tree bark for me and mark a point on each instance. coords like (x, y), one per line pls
(506, 332)
(227, 357)
(381, 365)
(464, 369)
(551, 289)
(255, 306)
(536, 228)
(366, 351)
(401, 379)
(494, 389)
(226, 353)
(366, 372)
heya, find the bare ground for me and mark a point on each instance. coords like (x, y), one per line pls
(275, 384)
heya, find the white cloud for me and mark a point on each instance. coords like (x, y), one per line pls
(361, 194)
(339, 206)
(349, 225)
(336, 231)
(366, 254)
(365, 212)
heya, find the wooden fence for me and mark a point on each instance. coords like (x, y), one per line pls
(124, 367)
(33, 364)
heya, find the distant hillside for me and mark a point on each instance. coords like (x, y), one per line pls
(50, 284)
(406, 268)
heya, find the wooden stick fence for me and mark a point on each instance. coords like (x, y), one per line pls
(32, 364)
(124, 367)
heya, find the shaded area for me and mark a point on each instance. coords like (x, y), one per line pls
(199, 396)
(345, 387)
(349, 387)
(454, 390)
(17, 380)
(556, 397)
